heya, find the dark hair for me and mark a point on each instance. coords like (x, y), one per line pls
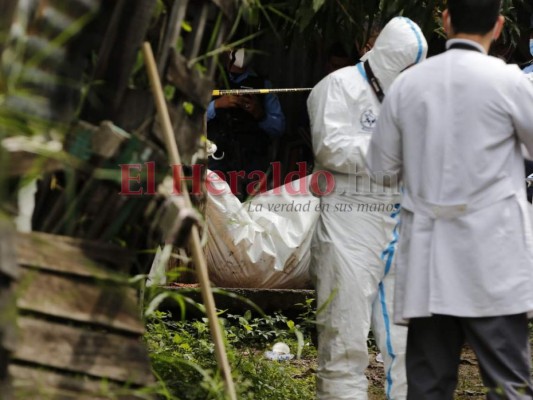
(473, 16)
(337, 50)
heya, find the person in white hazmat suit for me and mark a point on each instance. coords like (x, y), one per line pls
(354, 241)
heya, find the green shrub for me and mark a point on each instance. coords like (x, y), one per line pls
(182, 355)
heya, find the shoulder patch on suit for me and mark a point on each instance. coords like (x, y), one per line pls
(368, 120)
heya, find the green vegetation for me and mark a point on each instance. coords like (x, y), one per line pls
(182, 355)
(321, 21)
(183, 358)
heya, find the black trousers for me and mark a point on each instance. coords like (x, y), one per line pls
(501, 345)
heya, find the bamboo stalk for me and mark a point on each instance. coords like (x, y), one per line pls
(197, 252)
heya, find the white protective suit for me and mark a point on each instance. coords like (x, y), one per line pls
(355, 239)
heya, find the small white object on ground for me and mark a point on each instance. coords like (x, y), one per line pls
(379, 358)
(280, 352)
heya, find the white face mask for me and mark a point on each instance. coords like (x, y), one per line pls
(531, 46)
(242, 58)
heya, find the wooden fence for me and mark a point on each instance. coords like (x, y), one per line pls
(79, 326)
(78, 331)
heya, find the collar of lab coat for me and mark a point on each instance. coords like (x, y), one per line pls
(466, 41)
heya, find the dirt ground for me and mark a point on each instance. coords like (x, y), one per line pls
(469, 386)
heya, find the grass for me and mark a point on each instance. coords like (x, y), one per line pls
(183, 358)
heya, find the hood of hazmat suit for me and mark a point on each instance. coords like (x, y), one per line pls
(399, 45)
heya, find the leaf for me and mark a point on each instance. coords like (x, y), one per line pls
(280, 14)
(317, 4)
(181, 302)
(186, 26)
(248, 315)
(185, 346)
(156, 301)
(169, 92)
(251, 15)
(328, 300)
(188, 107)
(300, 338)
(137, 278)
(304, 16)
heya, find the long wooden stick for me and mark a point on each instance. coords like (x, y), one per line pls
(197, 252)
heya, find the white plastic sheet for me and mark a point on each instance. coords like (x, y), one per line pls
(262, 243)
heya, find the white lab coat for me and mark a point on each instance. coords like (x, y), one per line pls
(353, 246)
(452, 127)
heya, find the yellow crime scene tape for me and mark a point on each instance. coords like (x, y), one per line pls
(222, 92)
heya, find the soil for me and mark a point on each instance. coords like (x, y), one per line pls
(469, 386)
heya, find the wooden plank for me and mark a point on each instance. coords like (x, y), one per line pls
(172, 30)
(35, 384)
(108, 139)
(22, 162)
(77, 8)
(105, 140)
(8, 261)
(8, 334)
(132, 19)
(108, 305)
(95, 353)
(8, 8)
(188, 81)
(212, 63)
(136, 107)
(70, 255)
(227, 7)
(186, 129)
(8, 313)
(199, 31)
(5, 380)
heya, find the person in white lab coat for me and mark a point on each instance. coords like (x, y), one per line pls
(451, 129)
(353, 245)
(528, 69)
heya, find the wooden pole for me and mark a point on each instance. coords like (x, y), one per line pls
(197, 251)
